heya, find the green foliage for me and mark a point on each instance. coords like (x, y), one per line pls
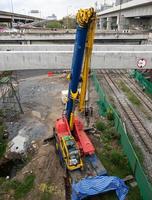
(134, 194)
(112, 156)
(137, 149)
(2, 148)
(1, 132)
(110, 195)
(46, 196)
(108, 130)
(110, 115)
(129, 93)
(3, 143)
(54, 24)
(118, 158)
(111, 134)
(20, 189)
(111, 124)
(69, 22)
(111, 159)
(100, 125)
(7, 185)
(24, 187)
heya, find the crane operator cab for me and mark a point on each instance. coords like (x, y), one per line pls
(71, 153)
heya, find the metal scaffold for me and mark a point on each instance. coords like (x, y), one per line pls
(9, 95)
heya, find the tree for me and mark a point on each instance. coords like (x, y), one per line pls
(69, 22)
(54, 24)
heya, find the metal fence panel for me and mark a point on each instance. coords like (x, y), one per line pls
(143, 81)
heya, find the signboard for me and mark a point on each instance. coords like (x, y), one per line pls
(141, 63)
(34, 11)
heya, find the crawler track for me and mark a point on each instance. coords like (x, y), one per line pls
(139, 127)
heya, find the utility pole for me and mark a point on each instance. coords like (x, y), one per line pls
(68, 15)
(12, 10)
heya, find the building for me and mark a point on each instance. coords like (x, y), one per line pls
(52, 17)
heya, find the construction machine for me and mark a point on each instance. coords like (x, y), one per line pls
(74, 147)
(70, 124)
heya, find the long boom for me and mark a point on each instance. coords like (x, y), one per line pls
(87, 62)
(83, 19)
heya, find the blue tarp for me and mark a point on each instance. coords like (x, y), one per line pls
(99, 184)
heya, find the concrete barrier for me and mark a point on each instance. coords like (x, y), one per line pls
(19, 60)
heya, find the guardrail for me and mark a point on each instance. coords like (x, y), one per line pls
(104, 106)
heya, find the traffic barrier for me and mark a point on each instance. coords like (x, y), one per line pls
(104, 106)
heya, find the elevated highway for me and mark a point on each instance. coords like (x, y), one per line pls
(8, 16)
(41, 36)
(21, 57)
(130, 15)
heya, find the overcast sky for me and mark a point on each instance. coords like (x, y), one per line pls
(47, 7)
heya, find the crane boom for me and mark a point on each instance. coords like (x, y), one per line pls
(87, 62)
(84, 18)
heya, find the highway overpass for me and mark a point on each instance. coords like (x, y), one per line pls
(8, 17)
(60, 57)
(33, 36)
(130, 15)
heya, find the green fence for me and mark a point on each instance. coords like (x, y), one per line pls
(104, 106)
(142, 81)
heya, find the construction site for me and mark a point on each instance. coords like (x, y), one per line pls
(76, 111)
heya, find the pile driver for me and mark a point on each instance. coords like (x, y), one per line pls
(69, 132)
(75, 149)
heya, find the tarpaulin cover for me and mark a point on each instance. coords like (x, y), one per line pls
(99, 184)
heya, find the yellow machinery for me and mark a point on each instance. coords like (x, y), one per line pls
(69, 128)
(70, 153)
(87, 62)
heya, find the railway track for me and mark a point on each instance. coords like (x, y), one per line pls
(143, 133)
(145, 100)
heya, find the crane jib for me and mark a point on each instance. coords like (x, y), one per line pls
(76, 68)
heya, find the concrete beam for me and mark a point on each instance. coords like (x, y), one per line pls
(18, 16)
(125, 6)
(20, 37)
(70, 47)
(19, 60)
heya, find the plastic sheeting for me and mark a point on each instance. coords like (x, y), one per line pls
(99, 184)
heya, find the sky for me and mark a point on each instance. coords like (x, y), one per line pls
(47, 7)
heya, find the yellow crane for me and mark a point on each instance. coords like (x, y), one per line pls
(87, 62)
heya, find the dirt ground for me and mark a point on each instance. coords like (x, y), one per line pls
(41, 101)
(49, 174)
(42, 95)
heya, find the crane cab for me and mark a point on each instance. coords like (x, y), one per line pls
(70, 153)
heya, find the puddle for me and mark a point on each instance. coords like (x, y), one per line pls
(32, 130)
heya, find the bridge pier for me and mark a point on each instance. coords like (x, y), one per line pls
(109, 23)
(102, 22)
